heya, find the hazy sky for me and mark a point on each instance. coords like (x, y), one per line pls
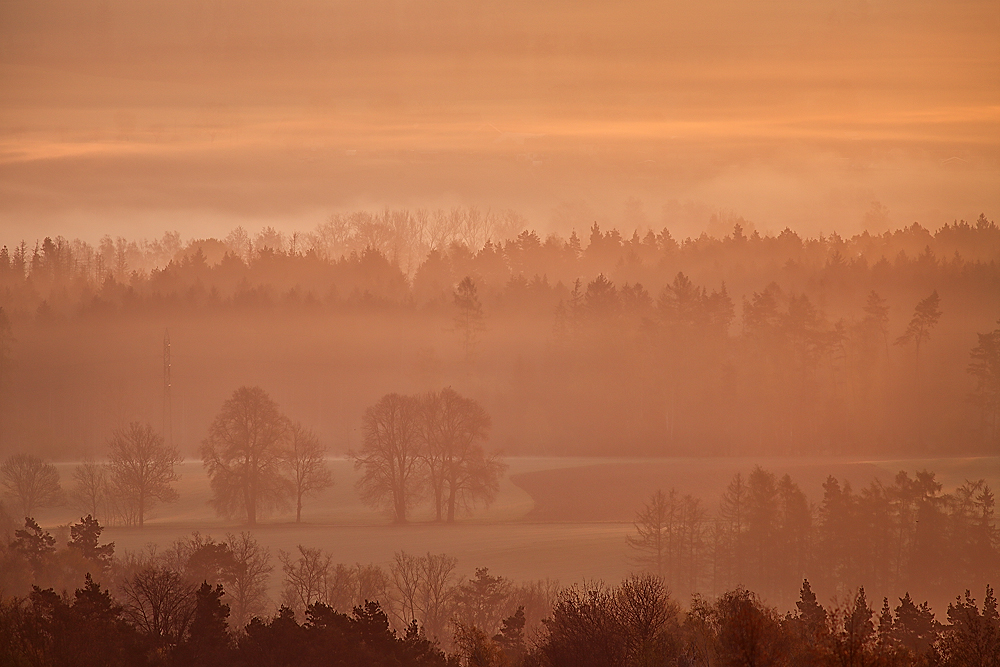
(136, 117)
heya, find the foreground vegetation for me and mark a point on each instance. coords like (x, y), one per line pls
(190, 607)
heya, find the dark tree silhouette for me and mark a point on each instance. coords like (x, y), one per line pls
(392, 459)
(243, 454)
(85, 538)
(30, 483)
(160, 604)
(304, 456)
(34, 544)
(141, 468)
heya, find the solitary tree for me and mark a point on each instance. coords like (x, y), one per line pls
(244, 456)
(469, 318)
(304, 458)
(141, 468)
(459, 471)
(391, 457)
(30, 482)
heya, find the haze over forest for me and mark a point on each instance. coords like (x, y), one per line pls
(506, 334)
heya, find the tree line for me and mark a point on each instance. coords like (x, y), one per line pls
(202, 602)
(764, 534)
(749, 343)
(258, 460)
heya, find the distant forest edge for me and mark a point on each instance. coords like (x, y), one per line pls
(882, 344)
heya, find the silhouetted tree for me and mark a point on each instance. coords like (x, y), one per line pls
(483, 601)
(853, 632)
(208, 642)
(30, 483)
(973, 637)
(391, 458)
(35, 545)
(160, 604)
(85, 538)
(510, 639)
(749, 633)
(243, 456)
(304, 456)
(141, 470)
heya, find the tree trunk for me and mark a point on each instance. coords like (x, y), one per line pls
(298, 510)
(251, 509)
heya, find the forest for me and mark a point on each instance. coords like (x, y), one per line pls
(599, 343)
(199, 603)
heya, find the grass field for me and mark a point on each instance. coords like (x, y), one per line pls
(559, 518)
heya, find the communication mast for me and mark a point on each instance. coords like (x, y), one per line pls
(168, 426)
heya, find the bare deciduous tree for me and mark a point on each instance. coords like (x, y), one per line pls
(248, 584)
(90, 491)
(30, 483)
(159, 603)
(460, 472)
(306, 577)
(304, 457)
(243, 455)
(141, 468)
(653, 530)
(391, 457)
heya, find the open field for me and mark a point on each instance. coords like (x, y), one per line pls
(558, 518)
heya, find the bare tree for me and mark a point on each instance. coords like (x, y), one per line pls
(438, 592)
(243, 455)
(141, 469)
(247, 585)
(407, 578)
(305, 577)
(653, 532)
(459, 471)
(90, 491)
(30, 483)
(391, 458)
(304, 457)
(159, 603)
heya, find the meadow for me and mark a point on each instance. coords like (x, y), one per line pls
(557, 518)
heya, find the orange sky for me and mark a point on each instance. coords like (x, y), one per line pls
(136, 117)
